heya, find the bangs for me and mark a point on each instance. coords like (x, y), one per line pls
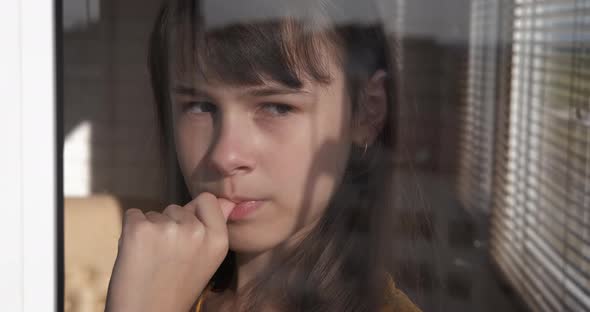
(286, 50)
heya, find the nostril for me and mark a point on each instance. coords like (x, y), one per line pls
(242, 169)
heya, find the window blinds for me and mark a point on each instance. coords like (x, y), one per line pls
(477, 133)
(540, 229)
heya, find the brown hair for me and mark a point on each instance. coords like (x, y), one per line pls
(341, 264)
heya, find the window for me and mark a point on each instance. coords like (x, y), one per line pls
(29, 162)
(540, 225)
(491, 132)
(475, 167)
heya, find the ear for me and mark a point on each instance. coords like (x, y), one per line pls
(372, 110)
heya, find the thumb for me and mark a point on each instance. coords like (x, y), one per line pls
(226, 207)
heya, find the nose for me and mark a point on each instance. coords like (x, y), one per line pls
(232, 152)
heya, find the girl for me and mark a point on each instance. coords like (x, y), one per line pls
(282, 127)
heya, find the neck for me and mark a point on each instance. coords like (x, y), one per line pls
(248, 266)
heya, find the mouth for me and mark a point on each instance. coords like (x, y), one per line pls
(239, 199)
(244, 209)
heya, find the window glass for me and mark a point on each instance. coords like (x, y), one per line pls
(338, 155)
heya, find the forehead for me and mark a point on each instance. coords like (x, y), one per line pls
(279, 51)
(197, 85)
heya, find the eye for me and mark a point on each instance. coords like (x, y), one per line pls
(277, 109)
(199, 107)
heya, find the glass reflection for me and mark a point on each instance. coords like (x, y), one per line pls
(442, 144)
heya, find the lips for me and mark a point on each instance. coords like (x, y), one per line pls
(244, 209)
(239, 199)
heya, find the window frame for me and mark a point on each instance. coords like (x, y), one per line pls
(30, 161)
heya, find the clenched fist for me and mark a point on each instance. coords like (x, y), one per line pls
(166, 259)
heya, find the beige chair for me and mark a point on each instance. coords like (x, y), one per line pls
(92, 227)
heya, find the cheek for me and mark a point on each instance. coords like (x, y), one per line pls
(191, 144)
(315, 180)
(302, 163)
(308, 164)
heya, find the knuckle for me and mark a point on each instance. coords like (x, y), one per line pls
(197, 231)
(132, 210)
(169, 227)
(172, 208)
(206, 197)
(150, 215)
(131, 213)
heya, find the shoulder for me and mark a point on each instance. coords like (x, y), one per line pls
(398, 301)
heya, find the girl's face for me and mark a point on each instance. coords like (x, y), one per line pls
(285, 147)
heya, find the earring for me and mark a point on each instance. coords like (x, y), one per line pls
(365, 150)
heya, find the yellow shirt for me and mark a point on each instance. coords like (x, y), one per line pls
(397, 302)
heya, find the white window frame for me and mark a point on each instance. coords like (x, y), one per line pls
(28, 157)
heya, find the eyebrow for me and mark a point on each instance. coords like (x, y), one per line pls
(251, 91)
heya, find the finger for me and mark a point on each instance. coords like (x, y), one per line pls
(156, 217)
(133, 215)
(226, 207)
(179, 214)
(207, 209)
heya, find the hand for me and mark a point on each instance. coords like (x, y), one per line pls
(165, 259)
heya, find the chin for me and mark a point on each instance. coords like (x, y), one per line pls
(247, 239)
(250, 246)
